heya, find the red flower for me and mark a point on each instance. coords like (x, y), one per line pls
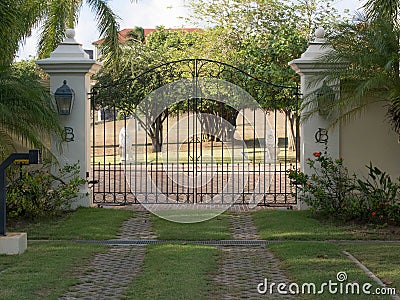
(39, 179)
(317, 154)
(373, 214)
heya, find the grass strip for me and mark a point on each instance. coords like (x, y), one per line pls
(173, 271)
(213, 229)
(300, 225)
(45, 271)
(84, 223)
(318, 263)
(380, 259)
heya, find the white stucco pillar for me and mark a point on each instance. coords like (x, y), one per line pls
(69, 62)
(310, 67)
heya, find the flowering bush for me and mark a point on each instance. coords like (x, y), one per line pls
(37, 193)
(378, 197)
(329, 187)
(331, 190)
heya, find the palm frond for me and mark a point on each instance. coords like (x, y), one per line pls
(108, 27)
(387, 9)
(365, 62)
(26, 114)
(59, 15)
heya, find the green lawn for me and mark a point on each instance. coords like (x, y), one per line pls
(382, 259)
(213, 229)
(177, 271)
(173, 271)
(300, 225)
(307, 257)
(183, 157)
(45, 270)
(48, 268)
(319, 262)
(84, 223)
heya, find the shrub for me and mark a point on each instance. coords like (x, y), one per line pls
(331, 190)
(329, 187)
(379, 197)
(38, 193)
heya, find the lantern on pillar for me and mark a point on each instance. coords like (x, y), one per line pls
(64, 97)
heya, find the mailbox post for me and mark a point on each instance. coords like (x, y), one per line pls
(33, 157)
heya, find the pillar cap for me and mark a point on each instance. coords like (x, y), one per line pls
(69, 57)
(310, 60)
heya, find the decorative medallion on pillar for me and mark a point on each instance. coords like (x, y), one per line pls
(68, 134)
(321, 136)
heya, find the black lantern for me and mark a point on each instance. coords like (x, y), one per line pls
(325, 95)
(64, 97)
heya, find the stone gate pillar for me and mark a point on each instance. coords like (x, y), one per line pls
(69, 62)
(315, 130)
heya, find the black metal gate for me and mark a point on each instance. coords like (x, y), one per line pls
(194, 131)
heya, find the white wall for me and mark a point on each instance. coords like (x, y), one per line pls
(370, 138)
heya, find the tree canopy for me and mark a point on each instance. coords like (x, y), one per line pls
(258, 37)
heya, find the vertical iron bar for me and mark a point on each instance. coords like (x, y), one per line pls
(146, 159)
(92, 101)
(195, 125)
(254, 151)
(222, 170)
(114, 149)
(265, 159)
(104, 156)
(177, 155)
(188, 151)
(275, 152)
(232, 161)
(244, 147)
(286, 154)
(167, 162)
(125, 170)
(3, 200)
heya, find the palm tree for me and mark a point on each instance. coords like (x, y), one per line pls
(136, 34)
(61, 14)
(14, 28)
(26, 115)
(19, 17)
(389, 10)
(367, 55)
(386, 9)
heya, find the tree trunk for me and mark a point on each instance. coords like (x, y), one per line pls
(156, 144)
(156, 137)
(294, 130)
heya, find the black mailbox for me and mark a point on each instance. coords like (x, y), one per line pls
(34, 157)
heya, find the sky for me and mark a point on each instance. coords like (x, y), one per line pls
(143, 13)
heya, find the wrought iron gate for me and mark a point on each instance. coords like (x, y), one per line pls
(194, 131)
